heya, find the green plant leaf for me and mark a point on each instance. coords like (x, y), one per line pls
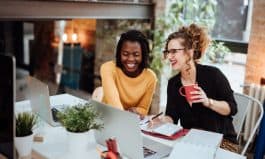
(25, 122)
(80, 118)
(180, 13)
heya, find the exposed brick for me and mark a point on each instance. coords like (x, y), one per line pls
(255, 66)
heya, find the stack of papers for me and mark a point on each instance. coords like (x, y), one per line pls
(197, 144)
(206, 138)
(225, 154)
(186, 150)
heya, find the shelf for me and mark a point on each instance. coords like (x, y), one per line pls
(32, 10)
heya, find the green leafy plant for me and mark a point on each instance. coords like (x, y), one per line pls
(180, 13)
(80, 118)
(217, 52)
(25, 122)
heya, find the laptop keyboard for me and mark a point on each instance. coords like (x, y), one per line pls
(148, 152)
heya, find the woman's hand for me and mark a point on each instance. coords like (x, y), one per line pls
(221, 107)
(200, 96)
(134, 110)
(159, 120)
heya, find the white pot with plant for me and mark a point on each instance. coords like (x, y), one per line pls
(217, 52)
(79, 122)
(25, 122)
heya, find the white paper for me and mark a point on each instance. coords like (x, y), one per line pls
(166, 129)
(202, 137)
(225, 154)
(197, 144)
(184, 150)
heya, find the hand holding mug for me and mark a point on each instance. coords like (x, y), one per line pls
(199, 96)
(187, 90)
(194, 94)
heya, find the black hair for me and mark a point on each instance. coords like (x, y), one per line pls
(134, 36)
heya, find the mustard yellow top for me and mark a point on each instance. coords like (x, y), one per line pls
(123, 92)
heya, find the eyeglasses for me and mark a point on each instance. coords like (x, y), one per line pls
(172, 51)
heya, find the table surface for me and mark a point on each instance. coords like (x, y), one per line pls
(54, 145)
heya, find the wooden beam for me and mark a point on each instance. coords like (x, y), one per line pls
(21, 10)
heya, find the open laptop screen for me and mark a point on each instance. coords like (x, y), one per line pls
(7, 66)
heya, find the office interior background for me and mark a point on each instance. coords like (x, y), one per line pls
(63, 43)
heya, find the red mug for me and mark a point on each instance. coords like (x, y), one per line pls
(188, 89)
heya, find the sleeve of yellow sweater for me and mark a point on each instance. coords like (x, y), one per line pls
(111, 94)
(144, 105)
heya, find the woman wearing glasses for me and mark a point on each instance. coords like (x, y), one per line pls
(127, 83)
(212, 103)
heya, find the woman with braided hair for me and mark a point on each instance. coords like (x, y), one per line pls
(213, 103)
(127, 82)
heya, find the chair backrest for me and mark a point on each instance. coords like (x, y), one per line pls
(97, 94)
(244, 103)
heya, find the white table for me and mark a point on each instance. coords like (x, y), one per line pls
(54, 145)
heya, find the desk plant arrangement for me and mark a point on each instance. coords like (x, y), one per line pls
(25, 121)
(80, 121)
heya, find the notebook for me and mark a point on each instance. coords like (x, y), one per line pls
(225, 154)
(167, 129)
(197, 144)
(202, 137)
(124, 127)
(192, 151)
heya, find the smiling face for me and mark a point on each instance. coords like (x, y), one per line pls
(176, 54)
(131, 58)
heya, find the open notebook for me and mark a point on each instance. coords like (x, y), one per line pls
(197, 144)
(167, 129)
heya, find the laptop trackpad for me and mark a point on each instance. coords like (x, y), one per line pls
(155, 150)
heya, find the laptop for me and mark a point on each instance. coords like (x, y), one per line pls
(40, 102)
(124, 127)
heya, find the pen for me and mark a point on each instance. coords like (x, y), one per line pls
(156, 116)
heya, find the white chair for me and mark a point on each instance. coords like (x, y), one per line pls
(97, 94)
(244, 103)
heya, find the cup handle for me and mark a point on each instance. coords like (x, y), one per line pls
(180, 91)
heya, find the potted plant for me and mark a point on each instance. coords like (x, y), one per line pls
(25, 122)
(79, 122)
(217, 52)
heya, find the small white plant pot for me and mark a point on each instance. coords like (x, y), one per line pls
(24, 145)
(79, 143)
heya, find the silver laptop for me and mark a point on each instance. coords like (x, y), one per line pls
(40, 101)
(124, 127)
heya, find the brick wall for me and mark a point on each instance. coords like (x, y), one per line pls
(255, 66)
